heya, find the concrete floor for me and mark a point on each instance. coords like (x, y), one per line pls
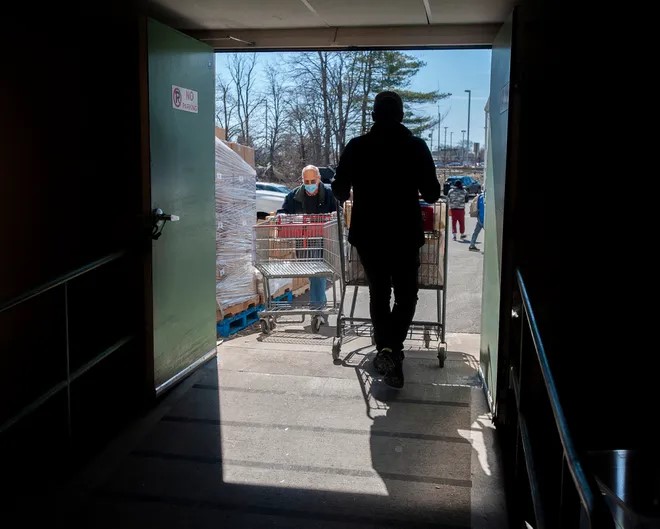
(272, 434)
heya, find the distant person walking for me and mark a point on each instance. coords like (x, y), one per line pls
(457, 197)
(480, 222)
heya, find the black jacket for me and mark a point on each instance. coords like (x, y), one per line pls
(388, 168)
(294, 202)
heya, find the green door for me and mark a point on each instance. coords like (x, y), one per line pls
(181, 102)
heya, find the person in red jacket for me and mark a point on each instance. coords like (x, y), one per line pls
(456, 198)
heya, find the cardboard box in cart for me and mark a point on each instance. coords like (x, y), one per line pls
(431, 270)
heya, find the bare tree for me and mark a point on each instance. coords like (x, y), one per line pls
(275, 101)
(311, 71)
(297, 123)
(368, 60)
(225, 104)
(323, 66)
(345, 78)
(243, 75)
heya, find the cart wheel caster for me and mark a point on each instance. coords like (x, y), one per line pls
(271, 323)
(336, 348)
(427, 338)
(265, 326)
(316, 324)
(442, 355)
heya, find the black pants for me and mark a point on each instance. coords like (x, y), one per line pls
(386, 270)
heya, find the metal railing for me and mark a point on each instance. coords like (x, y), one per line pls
(552, 486)
(71, 375)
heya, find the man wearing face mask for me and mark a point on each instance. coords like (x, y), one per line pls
(312, 197)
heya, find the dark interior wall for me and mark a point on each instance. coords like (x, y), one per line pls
(604, 383)
(70, 144)
(70, 193)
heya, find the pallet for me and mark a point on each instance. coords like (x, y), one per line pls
(287, 296)
(233, 323)
(281, 294)
(236, 322)
(236, 308)
(300, 291)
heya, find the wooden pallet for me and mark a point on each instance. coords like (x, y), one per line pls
(277, 294)
(301, 290)
(237, 322)
(237, 308)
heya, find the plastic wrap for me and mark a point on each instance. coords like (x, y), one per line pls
(236, 213)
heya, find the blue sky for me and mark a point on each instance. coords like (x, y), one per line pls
(447, 71)
(456, 71)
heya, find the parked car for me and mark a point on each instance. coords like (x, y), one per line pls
(471, 185)
(270, 198)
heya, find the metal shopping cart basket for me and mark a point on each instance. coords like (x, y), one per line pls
(432, 275)
(290, 246)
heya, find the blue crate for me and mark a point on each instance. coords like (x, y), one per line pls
(238, 322)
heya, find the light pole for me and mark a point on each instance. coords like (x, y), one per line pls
(446, 144)
(431, 141)
(439, 129)
(469, 93)
(451, 144)
(439, 122)
(463, 144)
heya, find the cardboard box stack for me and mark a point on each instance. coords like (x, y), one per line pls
(245, 152)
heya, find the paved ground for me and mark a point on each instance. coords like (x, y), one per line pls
(273, 435)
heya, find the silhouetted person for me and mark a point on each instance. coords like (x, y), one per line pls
(388, 168)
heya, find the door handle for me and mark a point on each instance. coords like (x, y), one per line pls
(158, 221)
(158, 213)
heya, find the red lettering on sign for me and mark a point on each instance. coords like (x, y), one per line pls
(176, 97)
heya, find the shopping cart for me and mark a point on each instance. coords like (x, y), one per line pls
(432, 275)
(290, 246)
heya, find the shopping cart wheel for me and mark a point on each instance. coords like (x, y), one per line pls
(265, 326)
(427, 338)
(271, 323)
(442, 355)
(316, 323)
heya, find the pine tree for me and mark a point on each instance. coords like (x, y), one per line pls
(394, 70)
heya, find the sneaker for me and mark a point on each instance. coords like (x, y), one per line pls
(394, 379)
(473, 248)
(463, 236)
(383, 361)
(453, 237)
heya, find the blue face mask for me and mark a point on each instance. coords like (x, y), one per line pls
(311, 188)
